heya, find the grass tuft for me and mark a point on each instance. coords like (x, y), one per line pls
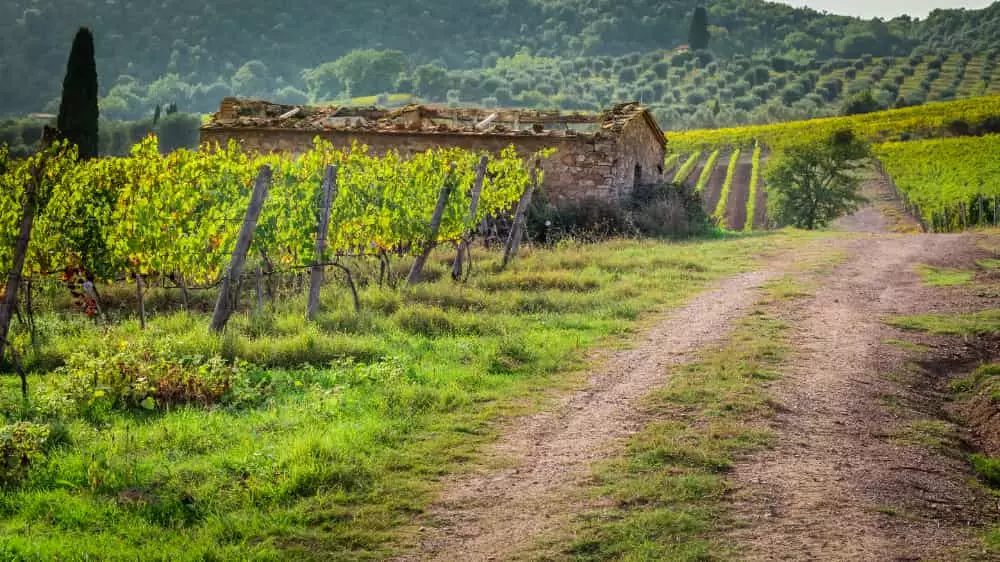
(944, 277)
(976, 324)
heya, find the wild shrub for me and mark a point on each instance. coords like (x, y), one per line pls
(21, 445)
(656, 210)
(134, 375)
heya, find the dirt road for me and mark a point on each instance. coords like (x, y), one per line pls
(837, 485)
(493, 516)
(841, 482)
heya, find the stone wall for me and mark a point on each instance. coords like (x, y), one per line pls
(599, 165)
(640, 156)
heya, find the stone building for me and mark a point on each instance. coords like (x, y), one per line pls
(597, 155)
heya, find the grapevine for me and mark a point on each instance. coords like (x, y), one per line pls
(685, 170)
(178, 214)
(720, 209)
(706, 172)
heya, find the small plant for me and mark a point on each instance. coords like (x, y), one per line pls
(988, 468)
(21, 445)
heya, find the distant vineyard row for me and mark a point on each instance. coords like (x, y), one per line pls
(933, 119)
(729, 181)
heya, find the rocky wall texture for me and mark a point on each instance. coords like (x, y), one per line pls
(639, 157)
(583, 166)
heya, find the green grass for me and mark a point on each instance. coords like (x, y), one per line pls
(937, 435)
(353, 418)
(989, 264)
(907, 345)
(975, 324)
(944, 277)
(667, 490)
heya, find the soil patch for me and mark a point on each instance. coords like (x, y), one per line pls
(739, 194)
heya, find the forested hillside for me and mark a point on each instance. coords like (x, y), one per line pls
(194, 53)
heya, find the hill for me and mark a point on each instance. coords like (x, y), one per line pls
(195, 53)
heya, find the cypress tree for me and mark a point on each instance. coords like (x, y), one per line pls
(698, 36)
(78, 111)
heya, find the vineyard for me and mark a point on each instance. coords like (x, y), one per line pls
(153, 217)
(730, 184)
(928, 120)
(951, 183)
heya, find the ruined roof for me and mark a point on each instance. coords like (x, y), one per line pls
(428, 119)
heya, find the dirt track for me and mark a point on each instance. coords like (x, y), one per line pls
(834, 486)
(494, 515)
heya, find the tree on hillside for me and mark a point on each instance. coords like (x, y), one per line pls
(178, 130)
(698, 36)
(862, 102)
(78, 112)
(811, 185)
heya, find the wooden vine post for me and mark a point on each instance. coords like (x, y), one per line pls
(228, 291)
(316, 275)
(466, 243)
(9, 302)
(517, 230)
(140, 296)
(418, 264)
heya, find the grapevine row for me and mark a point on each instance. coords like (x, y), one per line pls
(706, 172)
(179, 214)
(720, 209)
(950, 183)
(687, 168)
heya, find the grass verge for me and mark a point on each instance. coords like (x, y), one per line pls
(966, 325)
(976, 395)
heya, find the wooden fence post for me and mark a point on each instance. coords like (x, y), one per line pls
(9, 302)
(226, 304)
(316, 275)
(463, 246)
(517, 230)
(418, 264)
